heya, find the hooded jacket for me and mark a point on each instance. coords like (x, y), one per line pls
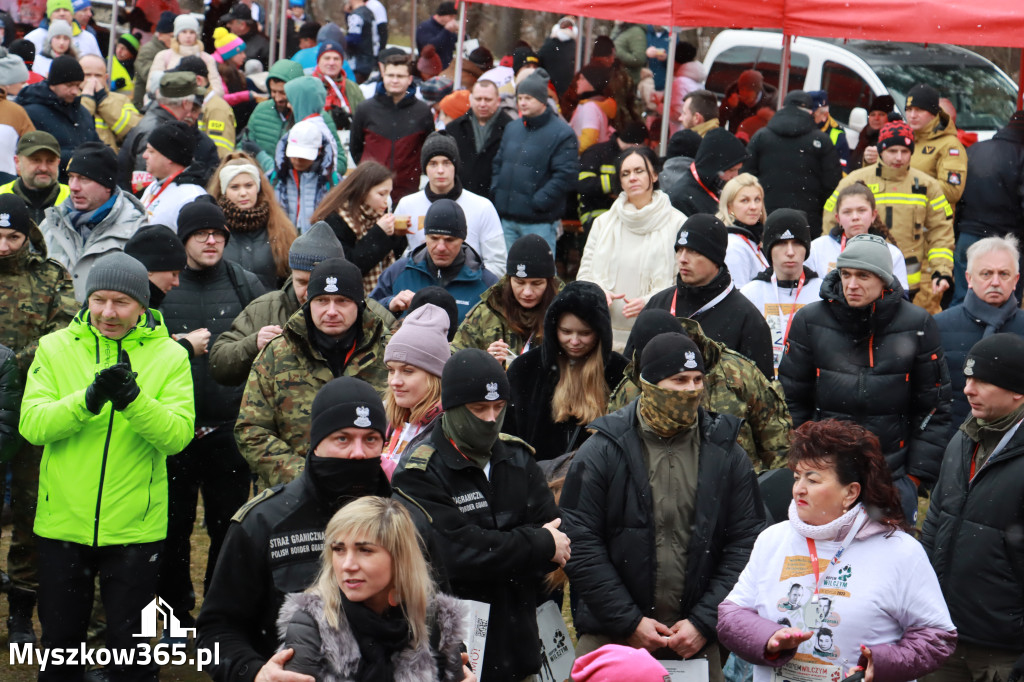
(719, 151)
(301, 193)
(393, 134)
(487, 322)
(71, 124)
(77, 255)
(796, 163)
(939, 153)
(881, 366)
(534, 375)
(103, 477)
(266, 124)
(992, 205)
(607, 510)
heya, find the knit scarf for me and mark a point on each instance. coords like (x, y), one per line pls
(993, 317)
(454, 193)
(379, 636)
(833, 531)
(244, 219)
(667, 412)
(988, 433)
(360, 224)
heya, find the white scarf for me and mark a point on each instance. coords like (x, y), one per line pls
(833, 531)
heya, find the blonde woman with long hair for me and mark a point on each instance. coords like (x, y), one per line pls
(741, 210)
(261, 233)
(563, 385)
(373, 612)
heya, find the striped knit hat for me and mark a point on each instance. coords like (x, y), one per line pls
(227, 44)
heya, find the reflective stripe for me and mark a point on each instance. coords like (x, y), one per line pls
(592, 215)
(900, 199)
(606, 183)
(609, 169)
(220, 141)
(830, 205)
(834, 135)
(945, 254)
(126, 115)
(914, 279)
(586, 175)
(99, 122)
(941, 204)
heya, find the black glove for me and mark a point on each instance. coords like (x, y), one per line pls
(1017, 671)
(95, 398)
(249, 147)
(118, 383)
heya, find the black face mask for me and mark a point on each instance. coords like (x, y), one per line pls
(338, 480)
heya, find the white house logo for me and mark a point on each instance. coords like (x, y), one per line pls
(969, 367)
(362, 417)
(5, 219)
(332, 285)
(683, 236)
(521, 270)
(492, 391)
(691, 360)
(151, 615)
(786, 235)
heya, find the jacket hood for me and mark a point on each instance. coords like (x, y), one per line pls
(40, 93)
(791, 121)
(940, 126)
(720, 150)
(306, 95)
(866, 320)
(285, 70)
(586, 301)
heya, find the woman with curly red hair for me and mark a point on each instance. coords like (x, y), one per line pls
(841, 586)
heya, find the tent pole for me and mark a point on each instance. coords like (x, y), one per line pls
(784, 67)
(282, 29)
(113, 39)
(412, 29)
(457, 84)
(579, 42)
(271, 24)
(589, 47)
(1020, 82)
(670, 75)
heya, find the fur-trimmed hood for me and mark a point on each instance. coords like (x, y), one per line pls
(338, 651)
(586, 301)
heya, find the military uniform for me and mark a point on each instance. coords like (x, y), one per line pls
(485, 323)
(218, 121)
(917, 213)
(939, 153)
(115, 115)
(273, 421)
(36, 298)
(732, 385)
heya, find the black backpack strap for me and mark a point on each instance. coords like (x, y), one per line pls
(240, 283)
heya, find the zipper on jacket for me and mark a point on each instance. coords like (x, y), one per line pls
(103, 463)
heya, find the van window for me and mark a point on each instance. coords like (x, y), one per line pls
(768, 64)
(845, 89)
(732, 62)
(983, 99)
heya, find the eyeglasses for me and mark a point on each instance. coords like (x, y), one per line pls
(202, 236)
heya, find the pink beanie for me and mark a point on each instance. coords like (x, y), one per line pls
(613, 663)
(422, 340)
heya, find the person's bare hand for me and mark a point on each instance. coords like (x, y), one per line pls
(870, 155)
(685, 639)
(260, 97)
(273, 670)
(633, 306)
(467, 674)
(498, 350)
(264, 335)
(562, 550)
(198, 338)
(612, 296)
(89, 86)
(400, 301)
(867, 663)
(387, 223)
(650, 635)
(786, 639)
(939, 285)
(452, 26)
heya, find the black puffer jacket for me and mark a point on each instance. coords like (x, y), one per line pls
(733, 321)
(973, 537)
(796, 163)
(719, 151)
(608, 514)
(10, 404)
(210, 298)
(881, 366)
(534, 375)
(71, 124)
(475, 167)
(993, 201)
(488, 532)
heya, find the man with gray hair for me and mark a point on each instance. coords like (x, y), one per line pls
(989, 307)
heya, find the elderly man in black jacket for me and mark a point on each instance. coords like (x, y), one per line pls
(478, 135)
(662, 507)
(866, 354)
(973, 530)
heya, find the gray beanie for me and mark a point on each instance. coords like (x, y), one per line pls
(316, 244)
(422, 340)
(58, 28)
(439, 143)
(185, 22)
(868, 252)
(535, 85)
(117, 271)
(12, 69)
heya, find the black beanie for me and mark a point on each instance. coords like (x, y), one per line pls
(719, 151)
(649, 323)
(799, 98)
(439, 143)
(65, 69)
(669, 354)
(445, 217)
(25, 49)
(158, 248)
(530, 257)
(522, 56)
(443, 299)
(14, 214)
(472, 376)
(193, 64)
(683, 143)
(782, 224)
(924, 97)
(705, 234)
(336, 276)
(882, 103)
(998, 360)
(202, 213)
(174, 140)
(95, 161)
(342, 403)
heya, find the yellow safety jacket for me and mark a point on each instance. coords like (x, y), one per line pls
(939, 153)
(115, 116)
(218, 121)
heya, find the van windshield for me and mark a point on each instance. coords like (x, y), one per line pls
(984, 100)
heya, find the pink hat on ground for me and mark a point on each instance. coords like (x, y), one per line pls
(613, 663)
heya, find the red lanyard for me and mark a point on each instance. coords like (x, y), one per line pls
(693, 171)
(298, 196)
(672, 309)
(167, 183)
(757, 253)
(842, 243)
(812, 550)
(974, 459)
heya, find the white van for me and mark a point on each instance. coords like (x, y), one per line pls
(853, 72)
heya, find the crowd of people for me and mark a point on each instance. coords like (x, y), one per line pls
(416, 342)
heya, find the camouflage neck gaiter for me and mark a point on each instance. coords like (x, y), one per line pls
(667, 412)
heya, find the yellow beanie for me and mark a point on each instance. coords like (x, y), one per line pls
(226, 44)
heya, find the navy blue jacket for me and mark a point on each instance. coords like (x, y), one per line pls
(535, 169)
(992, 204)
(432, 33)
(414, 272)
(71, 124)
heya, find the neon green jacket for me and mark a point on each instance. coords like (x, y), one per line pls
(103, 478)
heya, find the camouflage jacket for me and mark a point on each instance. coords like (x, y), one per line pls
(732, 385)
(36, 298)
(272, 430)
(485, 323)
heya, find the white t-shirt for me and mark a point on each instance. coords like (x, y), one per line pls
(778, 306)
(825, 250)
(881, 587)
(744, 260)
